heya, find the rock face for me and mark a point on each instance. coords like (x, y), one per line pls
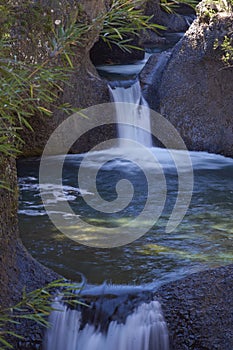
(18, 269)
(84, 87)
(198, 310)
(195, 92)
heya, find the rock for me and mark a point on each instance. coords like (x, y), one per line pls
(111, 307)
(84, 87)
(149, 39)
(185, 9)
(198, 310)
(19, 270)
(195, 92)
(150, 77)
(174, 22)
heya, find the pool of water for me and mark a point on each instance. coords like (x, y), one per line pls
(203, 239)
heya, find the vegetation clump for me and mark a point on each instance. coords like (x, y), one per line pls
(217, 14)
(39, 46)
(36, 306)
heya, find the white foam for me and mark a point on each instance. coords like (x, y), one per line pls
(144, 329)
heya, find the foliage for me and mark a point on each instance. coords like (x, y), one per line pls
(36, 306)
(123, 21)
(170, 6)
(227, 47)
(210, 8)
(227, 50)
(29, 87)
(226, 5)
(225, 44)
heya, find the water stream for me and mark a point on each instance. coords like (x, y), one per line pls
(132, 114)
(144, 329)
(202, 240)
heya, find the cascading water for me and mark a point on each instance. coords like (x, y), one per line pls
(132, 113)
(145, 329)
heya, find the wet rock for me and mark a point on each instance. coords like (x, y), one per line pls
(84, 89)
(151, 75)
(198, 310)
(111, 307)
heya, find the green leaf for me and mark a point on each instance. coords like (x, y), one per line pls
(4, 342)
(44, 110)
(69, 60)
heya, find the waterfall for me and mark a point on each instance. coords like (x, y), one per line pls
(135, 115)
(144, 329)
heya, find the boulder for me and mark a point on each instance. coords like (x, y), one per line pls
(84, 87)
(195, 89)
(198, 310)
